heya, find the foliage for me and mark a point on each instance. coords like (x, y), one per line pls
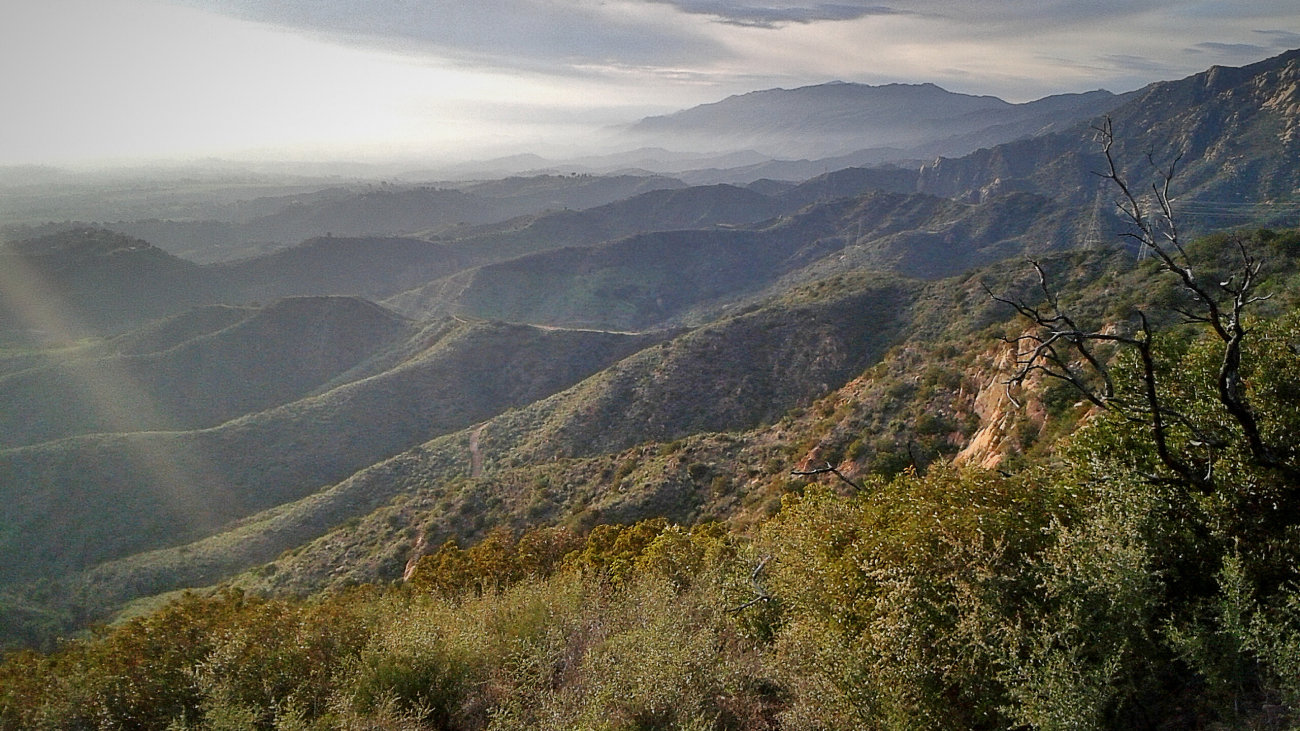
(892, 596)
(497, 561)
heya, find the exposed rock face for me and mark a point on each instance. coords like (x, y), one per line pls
(1000, 417)
(996, 412)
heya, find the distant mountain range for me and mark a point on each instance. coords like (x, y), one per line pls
(273, 223)
(689, 247)
(900, 121)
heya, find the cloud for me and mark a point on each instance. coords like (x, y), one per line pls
(1137, 64)
(738, 12)
(1007, 14)
(1230, 49)
(267, 72)
(543, 35)
(1279, 39)
(1011, 15)
(703, 42)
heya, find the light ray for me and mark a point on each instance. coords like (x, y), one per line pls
(181, 481)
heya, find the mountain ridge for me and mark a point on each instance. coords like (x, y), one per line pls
(839, 118)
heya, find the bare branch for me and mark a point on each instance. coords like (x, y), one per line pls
(823, 470)
(1060, 349)
(760, 592)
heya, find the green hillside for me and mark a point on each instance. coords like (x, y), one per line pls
(125, 492)
(268, 357)
(656, 279)
(1228, 128)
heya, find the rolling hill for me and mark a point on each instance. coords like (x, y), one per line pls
(656, 279)
(88, 498)
(67, 285)
(265, 358)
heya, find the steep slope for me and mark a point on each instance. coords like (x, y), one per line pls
(266, 358)
(958, 237)
(747, 369)
(1232, 131)
(576, 460)
(656, 279)
(731, 375)
(633, 441)
(581, 457)
(86, 499)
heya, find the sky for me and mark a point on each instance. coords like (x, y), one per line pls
(86, 82)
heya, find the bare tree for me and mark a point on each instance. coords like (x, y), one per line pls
(1059, 348)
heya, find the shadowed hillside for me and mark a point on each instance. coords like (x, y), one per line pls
(731, 375)
(70, 284)
(582, 457)
(1232, 131)
(266, 358)
(655, 279)
(170, 487)
(366, 267)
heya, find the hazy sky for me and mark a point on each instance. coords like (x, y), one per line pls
(84, 80)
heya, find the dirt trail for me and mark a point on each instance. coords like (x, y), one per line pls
(475, 456)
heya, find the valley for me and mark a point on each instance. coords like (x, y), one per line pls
(673, 372)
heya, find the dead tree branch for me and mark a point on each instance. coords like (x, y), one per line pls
(1059, 348)
(829, 468)
(760, 592)
(1222, 312)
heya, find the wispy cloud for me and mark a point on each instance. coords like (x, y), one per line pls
(766, 15)
(669, 38)
(548, 35)
(1128, 63)
(1230, 49)
(1278, 39)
